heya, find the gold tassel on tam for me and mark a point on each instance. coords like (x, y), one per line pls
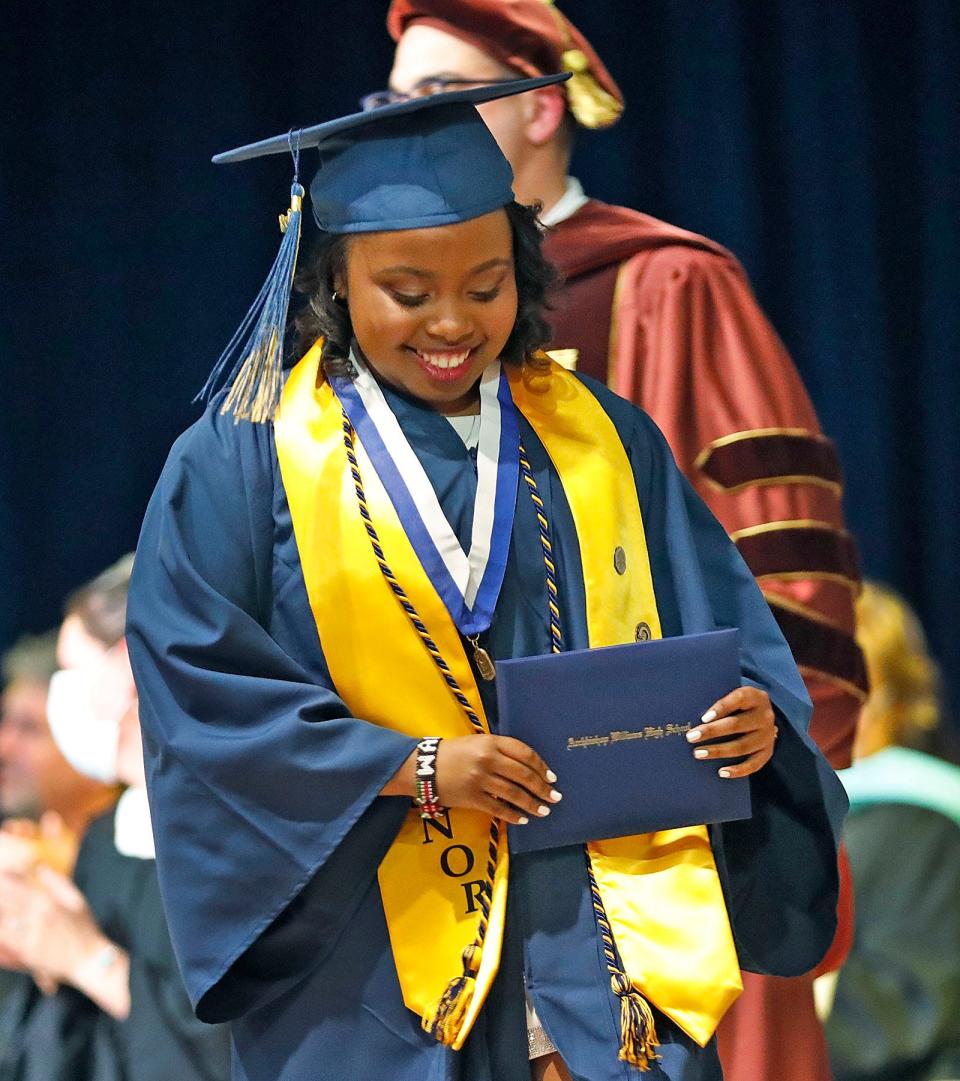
(638, 1034)
(444, 1024)
(590, 104)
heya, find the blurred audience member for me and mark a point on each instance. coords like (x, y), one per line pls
(105, 933)
(896, 1010)
(45, 803)
(46, 806)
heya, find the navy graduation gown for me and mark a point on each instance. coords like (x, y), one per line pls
(265, 791)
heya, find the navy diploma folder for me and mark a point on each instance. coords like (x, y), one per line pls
(612, 724)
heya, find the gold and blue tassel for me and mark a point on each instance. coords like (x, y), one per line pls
(254, 355)
(446, 1020)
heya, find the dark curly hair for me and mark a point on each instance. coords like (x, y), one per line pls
(322, 316)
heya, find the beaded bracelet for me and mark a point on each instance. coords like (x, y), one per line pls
(427, 798)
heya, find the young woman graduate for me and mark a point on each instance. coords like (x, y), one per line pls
(319, 598)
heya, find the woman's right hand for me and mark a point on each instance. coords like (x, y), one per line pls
(498, 775)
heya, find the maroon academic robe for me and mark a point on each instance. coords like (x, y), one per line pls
(667, 318)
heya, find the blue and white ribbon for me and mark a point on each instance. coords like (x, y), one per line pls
(468, 583)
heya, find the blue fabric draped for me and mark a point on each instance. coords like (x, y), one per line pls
(265, 790)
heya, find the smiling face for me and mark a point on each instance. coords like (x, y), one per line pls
(431, 308)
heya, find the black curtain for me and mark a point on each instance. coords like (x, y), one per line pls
(819, 141)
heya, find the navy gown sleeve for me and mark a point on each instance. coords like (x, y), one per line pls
(779, 868)
(260, 781)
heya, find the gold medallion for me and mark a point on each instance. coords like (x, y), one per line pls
(482, 659)
(485, 665)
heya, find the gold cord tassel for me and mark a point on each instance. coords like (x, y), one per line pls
(590, 104)
(638, 1033)
(444, 1024)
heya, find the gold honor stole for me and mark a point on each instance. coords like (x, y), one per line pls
(661, 890)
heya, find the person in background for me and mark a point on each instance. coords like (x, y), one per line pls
(105, 933)
(896, 1011)
(46, 806)
(667, 319)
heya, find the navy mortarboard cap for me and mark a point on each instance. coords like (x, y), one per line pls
(407, 165)
(411, 164)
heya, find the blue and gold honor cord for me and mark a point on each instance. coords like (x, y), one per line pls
(453, 1003)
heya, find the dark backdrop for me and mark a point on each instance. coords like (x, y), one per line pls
(820, 141)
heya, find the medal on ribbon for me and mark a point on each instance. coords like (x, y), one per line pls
(467, 582)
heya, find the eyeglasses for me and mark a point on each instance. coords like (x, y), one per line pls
(424, 89)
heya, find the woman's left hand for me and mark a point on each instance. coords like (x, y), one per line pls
(744, 722)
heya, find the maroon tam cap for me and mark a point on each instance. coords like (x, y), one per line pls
(531, 37)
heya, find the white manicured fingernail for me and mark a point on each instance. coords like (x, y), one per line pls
(710, 715)
(523, 821)
(543, 811)
(701, 752)
(551, 777)
(724, 772)
(556, 796)
(693, 736)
